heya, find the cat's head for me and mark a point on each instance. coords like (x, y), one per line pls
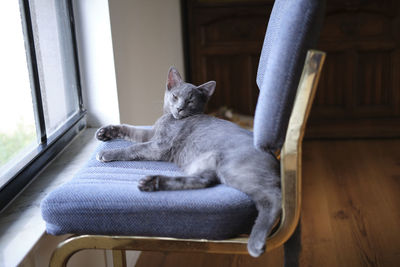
(184, 99)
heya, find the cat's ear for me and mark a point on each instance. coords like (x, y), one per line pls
(174, 78)
(208, 87)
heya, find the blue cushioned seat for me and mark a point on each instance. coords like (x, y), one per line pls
(103, 198)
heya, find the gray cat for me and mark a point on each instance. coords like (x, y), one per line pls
(207, 149)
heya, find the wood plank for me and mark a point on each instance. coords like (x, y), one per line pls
(318, 239)
(151, 259)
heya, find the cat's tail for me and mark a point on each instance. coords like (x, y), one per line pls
(269, 208)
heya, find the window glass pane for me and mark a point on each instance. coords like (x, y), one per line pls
(52, 33)
(17, 123)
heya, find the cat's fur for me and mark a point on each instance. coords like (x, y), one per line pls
(207, 149)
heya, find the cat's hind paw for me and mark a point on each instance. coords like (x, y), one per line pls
(107, 133)
(149, 183)
(256, 247)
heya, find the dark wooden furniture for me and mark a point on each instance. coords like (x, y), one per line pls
(359, 92)
(225, 40)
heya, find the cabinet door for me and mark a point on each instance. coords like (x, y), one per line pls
(225, 41)
(359, 88)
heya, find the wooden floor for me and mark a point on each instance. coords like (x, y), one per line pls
(350, 214)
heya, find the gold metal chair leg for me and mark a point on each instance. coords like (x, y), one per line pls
(63, 253)
(119, 258)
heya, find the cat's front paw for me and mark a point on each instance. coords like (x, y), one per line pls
(149, 183)
(104, 156)
(107, 133)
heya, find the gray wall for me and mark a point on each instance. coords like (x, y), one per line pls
(147, 40)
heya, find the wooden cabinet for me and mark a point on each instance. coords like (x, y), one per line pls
(359, 88)
(359, 92)
(225, 41)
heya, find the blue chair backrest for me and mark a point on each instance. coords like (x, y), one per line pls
(293, 29)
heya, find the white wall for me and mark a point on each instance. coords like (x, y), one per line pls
(123, 70)
(147, 40)
(96, 61)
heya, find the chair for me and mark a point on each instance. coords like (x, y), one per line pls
(284, 95)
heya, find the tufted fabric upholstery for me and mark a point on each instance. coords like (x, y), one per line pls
(103, 199)
(293, 29)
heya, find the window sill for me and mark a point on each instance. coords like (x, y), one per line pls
(21, 223)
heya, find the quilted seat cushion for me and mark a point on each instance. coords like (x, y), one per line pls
(103, 198)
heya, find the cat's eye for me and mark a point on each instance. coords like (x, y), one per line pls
(174, 97)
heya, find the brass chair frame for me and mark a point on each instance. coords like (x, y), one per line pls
(290, 185)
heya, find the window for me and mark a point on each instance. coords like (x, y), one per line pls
(41, 104)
